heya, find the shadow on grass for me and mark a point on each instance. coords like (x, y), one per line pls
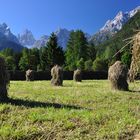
(135, 91)
(33, 104)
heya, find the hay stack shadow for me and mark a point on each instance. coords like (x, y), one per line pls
(33, 104)
(134, 91)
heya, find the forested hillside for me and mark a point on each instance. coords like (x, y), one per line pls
(107, 49)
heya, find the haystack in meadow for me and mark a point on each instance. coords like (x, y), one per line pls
(77, 76)
(135, 62)
(137, 137)
(29, 75)
(57, 76)
(117, 75)
(4, 80)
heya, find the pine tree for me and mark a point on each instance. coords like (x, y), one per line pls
(80, 64)
(9, 56)
(76, 49)
(34, 58)
(91, 52)
(88, 65)
(55, 54)
(24, 60)
(43, 53)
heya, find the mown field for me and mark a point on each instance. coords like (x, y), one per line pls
(77, 111)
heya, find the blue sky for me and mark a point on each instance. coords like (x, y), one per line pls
(45, 16)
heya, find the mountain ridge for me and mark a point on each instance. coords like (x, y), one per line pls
(27, 39)
(8, 39)
(108, 48)
(111, 27)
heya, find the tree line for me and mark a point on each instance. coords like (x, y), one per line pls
(79, 53)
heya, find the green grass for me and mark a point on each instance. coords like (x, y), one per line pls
(77, 111)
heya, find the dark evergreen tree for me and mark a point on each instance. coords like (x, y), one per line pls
(24, 60)
(34, 58)
(100, 64)
(126, 58)
(9, 55)
(8, 52)
(91, 52)
(55, 54)
(80, 64)
(88, 65)
(43, 53)
(70, 55)
(17, 57)
(10, 62)
(76, 49)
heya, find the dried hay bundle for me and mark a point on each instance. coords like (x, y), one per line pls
(57, 76)
(4, 80)
(29, 75)
(137, 137)
(135, 63)
(77, 76)
(117, 75)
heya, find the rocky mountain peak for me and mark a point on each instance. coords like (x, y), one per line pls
(41, 42)
(6, 33)
(26, 38)
(111, 27)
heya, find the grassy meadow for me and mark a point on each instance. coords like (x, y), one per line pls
(77, 111)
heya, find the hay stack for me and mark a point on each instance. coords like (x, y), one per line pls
(77, 76)
(4, 80)
(29, 75)
(117, 75)
(135, 63)
(57, 76)
(137, 137)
